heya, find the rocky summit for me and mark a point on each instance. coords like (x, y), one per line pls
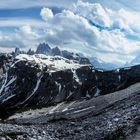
(59, 93)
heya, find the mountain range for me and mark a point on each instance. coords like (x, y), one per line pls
(28, 80)
(44, 48)
(52, 86)
(133, 62)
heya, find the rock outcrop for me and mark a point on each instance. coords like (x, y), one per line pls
(44, 48)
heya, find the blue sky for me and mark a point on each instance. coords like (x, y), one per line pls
(27, 12)
(109, 30)
(33, 12)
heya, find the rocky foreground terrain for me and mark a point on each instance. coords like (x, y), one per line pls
(52, 97)
(111, 117)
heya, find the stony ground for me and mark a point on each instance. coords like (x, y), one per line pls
(114, 116)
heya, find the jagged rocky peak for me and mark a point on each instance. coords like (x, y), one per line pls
(43, 48)
(56, 51)
(30, 52)
(17, 51)
(47, 50)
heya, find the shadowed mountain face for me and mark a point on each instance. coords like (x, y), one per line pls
(30, 80)
(43, 49)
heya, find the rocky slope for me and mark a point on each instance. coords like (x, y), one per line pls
(113, 116)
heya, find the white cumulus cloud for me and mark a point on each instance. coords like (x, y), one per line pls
(27, 31)
(46, 13)
(93, 11)
(24, 37)
(71, 29)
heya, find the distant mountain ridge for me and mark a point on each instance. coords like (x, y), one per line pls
(44, 48)
(97, 63)
(135, 61)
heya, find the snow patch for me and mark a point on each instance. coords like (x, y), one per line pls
(70, 94)
(65, 109)
(119, 77)
(127, 68)
(11, 81)
(15, 63)
(75, 76)
(56, 107)
(9, 97)
(59, 85)
(54, 63)
(78, 111)
(3, 86)
(34, 90)
(97, 93)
